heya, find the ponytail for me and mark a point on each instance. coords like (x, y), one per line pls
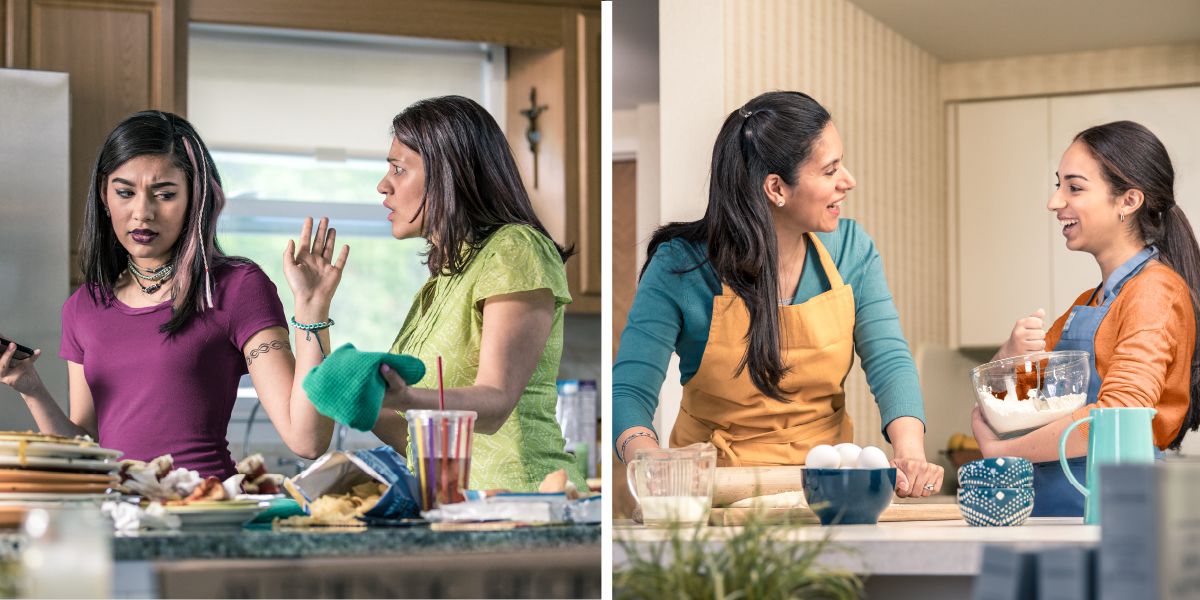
(1178, 249)
(1132, 157)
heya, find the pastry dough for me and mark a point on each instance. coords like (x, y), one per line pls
(793, 499)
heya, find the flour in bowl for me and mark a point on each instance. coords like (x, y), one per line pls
(1011, 415)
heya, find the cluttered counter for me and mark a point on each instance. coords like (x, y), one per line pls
(354, 524)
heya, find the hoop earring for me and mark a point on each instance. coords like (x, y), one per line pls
(1122, 217)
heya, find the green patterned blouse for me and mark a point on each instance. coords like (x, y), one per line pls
(446, 318)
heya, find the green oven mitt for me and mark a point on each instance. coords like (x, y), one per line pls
(348, 387)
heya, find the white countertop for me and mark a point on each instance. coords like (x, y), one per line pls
(900, 548)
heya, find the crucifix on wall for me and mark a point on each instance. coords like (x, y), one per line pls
(532, 135)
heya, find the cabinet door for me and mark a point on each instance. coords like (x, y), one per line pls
(1172, 114)
(1002, 188)
(122, 57)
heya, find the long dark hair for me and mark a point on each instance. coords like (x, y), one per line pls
(1131, 157)
(773, 133)
(102, 258)
(472, 186)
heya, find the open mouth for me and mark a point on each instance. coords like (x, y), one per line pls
(143, 236)
(836, 206)
(1069, 225)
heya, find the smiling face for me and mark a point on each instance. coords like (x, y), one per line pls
(147, 199)
(822, 182)
(403, 188)
(1084, 203)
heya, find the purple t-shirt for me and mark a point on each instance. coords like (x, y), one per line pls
(156, 395)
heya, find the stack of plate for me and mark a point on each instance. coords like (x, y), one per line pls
(37, 467)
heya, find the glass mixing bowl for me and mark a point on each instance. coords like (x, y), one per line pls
(1021, 393)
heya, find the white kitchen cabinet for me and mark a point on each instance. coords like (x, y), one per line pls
(1012, 258)
(1172, 114)
(1003, 242)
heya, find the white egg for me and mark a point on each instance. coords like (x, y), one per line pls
(872, 458)
(822, 457)
(848, 454)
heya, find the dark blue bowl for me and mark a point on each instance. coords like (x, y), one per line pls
(995, 507)
(849, 496)
(998, 472)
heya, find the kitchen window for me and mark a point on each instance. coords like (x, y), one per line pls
(298, 124)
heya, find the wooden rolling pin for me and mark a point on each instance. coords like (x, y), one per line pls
(731, 484)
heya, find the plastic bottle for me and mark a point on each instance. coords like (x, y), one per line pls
(588, 421)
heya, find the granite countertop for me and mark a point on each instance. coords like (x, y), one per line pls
(896, 548)
(267, 544)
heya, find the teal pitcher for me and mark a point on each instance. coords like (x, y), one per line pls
(1118, 435)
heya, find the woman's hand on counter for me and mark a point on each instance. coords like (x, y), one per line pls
(915, 476)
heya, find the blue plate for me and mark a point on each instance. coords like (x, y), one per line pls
(998, 472)
(995, 507)
(849, 496)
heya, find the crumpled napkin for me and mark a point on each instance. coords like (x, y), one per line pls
(128, 517)
(177, 484)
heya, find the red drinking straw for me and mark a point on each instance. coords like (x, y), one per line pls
(441, 389)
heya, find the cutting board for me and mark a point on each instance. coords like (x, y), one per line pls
(731, 484)
(899, 511)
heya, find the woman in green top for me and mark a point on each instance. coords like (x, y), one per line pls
(493, 306)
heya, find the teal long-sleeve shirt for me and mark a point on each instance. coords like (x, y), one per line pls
(672, 312)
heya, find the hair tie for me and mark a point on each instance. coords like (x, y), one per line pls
(745, 112)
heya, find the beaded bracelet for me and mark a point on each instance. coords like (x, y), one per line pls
(309, 328)
(621, 454)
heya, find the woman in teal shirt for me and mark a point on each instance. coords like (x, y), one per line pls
(493, 305)
(766, 387)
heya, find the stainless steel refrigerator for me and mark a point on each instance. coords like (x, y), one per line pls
(34, 232)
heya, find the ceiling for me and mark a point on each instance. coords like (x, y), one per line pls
(951, 30)
(958, 30)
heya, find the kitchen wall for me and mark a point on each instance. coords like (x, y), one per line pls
(883, 93)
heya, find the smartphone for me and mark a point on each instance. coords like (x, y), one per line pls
(22, 352)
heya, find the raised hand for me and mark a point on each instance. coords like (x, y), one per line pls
(1028, 335)
(311, 271)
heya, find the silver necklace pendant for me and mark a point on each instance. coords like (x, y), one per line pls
(150, 289)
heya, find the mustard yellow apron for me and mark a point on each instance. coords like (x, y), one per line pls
(747, 427)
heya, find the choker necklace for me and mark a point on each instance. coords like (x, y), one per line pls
(159, 275)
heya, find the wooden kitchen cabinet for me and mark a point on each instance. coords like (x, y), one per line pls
(1012, 258)
(122, 57)
(564, 181)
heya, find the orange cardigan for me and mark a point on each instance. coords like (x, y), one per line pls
(1144, 349)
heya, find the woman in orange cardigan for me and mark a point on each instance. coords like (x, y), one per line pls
(1115, 200)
